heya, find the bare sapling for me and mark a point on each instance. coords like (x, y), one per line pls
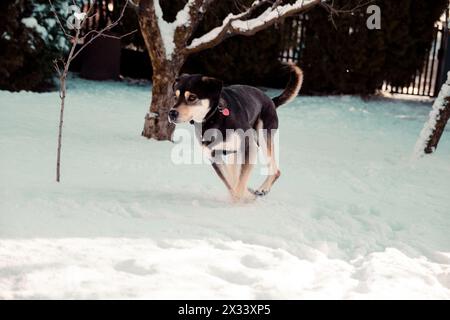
(73, 34)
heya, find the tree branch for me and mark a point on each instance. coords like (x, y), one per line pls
(238, 24)
(59, 21)
(331, 8)
(100, 32)
(177, 33)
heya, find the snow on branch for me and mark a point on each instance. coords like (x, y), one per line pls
(184, 18)
(238, 24)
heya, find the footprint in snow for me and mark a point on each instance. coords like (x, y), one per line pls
(235, 277)
(444, 279)
(251, 261)
(130, 266)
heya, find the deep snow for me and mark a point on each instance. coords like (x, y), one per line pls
(352, 216)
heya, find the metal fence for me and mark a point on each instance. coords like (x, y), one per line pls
(293, 35)
(426, 82)
(102, 12)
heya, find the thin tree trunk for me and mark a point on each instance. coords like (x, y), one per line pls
(62, 95)
(76, 39)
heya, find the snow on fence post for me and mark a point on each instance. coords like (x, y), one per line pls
(434, 127)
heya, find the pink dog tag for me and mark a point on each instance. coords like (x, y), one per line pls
(225, 112)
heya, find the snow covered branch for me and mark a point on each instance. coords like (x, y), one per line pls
(243, 24)
(434, 127)
(175, 34)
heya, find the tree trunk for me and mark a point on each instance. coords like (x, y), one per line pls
(165, 71)
(441, 121)
(434, 127)
(62, 95)
(156, 123)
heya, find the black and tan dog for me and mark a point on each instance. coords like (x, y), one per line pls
(208, 105)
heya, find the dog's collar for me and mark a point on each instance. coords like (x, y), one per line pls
(221, 107)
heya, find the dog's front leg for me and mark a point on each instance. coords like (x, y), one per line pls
(241, 190)
(223, 175)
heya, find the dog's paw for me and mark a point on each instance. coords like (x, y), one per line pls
(260, 193)
(249, 196)
(243, 197)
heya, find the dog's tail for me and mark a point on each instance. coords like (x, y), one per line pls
(293, 86)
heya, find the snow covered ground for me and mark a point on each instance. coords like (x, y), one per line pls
(353, 215)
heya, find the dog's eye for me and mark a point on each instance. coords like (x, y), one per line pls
(192, 98)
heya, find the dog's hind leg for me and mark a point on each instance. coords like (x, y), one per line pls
(274, 172)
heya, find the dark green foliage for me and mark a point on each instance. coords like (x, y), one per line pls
(336, 60)
(25, 53)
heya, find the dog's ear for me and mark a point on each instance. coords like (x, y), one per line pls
(178, 79)
(213, 84)
(174, 84)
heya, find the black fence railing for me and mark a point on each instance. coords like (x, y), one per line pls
(293, 31)
(102, 12)
(426, 82)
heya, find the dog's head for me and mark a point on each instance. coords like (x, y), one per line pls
(195, 95)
